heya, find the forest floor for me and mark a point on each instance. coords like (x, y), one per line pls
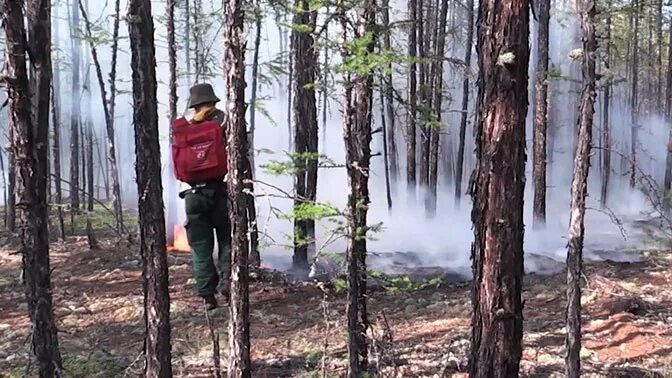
(298, 329)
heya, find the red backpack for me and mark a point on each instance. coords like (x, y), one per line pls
(199, 150)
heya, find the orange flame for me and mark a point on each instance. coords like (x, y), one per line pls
(180, 240)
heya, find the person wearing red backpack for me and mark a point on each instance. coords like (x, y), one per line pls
(199, 156)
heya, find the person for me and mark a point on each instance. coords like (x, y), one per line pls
(207, 210)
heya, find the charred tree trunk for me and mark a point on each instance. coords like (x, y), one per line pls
(413, 102)
(150, 203)
(171, 184)
(239, 309)
(357, 137)
(423, 177)
(30, 146)
(465, 102)
(579, 191)
(634, 103)
(386, 158)
(304, 57)
(606, 127)
(437, 103)
(11, 187)
(56, 125)
(75, 109)
(541, 115)
(390, 116)
(497, 187)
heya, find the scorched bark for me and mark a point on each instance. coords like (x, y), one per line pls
(497, 189)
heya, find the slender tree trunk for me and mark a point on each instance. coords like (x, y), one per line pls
(56, 124)
(357, 137)
(423, 178)
(659, 56)
(75, 108)
(171, 184)
(606, 127)
(3, 171)
(30, 146)
(667, 184)
(304, 57)
(108, 112)
(497, 189)
(412, 100)
(634, 103)
(541, 115)
(290, 83)
(187, 40)
(386, 158)
(255, 82)
(389, 97)
(437, 103)
(239, 309)
(150, 203)
(465, 102)
(579, 191)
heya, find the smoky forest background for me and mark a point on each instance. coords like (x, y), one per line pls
(420, 188)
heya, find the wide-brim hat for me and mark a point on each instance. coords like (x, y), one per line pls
(201, 94)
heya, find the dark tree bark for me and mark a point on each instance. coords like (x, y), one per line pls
(423, 119)
(30, 147)
(465, 102)
(659, 56)
(75, 108)
(541, 115)
(258, 17)
(171, 184)
(413, 102)
(388, 88)
(634, 103)
(667, 184)
(150, 202)
(386, 158)
(305, 128)
(606, 127)
(437, 103)
(357, 137)
(579, 191)
(239, 309)
(56, 125)
(497, 188)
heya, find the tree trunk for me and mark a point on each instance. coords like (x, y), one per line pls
(386, 158)
(423, 179)
(413, 101)
(667, 185)
(465, 102)
(606, 127)
(239, 309)
(75, 108)
(541, 115)
(259, 18)
(634, 104)
(437, 103)
(659, 56)
(305, 131)
(497, 189)
(389, 97)
(56, 124)
(357, 137)
(171, 184)
(11, 188)
(150, 203)
(108, 110)
(290, 83)
(30, 146)
(187, 40)
(579, 191)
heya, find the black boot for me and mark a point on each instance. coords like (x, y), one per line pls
(210, 302)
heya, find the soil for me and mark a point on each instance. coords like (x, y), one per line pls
(298, 329)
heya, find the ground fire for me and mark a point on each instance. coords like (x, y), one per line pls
(180, 242)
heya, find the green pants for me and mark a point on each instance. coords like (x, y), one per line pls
(207, 211)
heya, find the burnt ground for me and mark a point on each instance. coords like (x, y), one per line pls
(298, 329)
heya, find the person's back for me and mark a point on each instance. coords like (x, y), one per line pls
(207, 211)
